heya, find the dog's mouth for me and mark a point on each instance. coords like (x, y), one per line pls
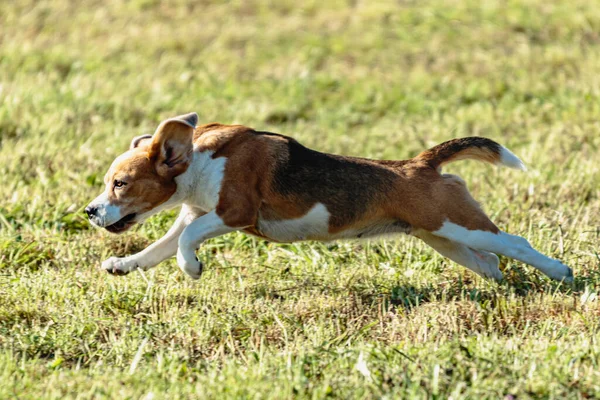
(122, 225)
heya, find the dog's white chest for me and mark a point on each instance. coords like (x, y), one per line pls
(203, 180)
(314, 225)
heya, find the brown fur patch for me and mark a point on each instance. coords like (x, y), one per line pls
(138, 171)
(171, 148)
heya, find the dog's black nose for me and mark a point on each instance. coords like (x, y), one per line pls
(90, 211)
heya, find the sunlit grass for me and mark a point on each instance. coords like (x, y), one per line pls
(374, 79)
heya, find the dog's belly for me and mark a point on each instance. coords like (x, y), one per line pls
(314, 225)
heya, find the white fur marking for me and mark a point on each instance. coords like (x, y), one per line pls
(202, 180)
(107, 213)
(312, 226)
(510, 160)
(480, 262)
(163, 248)
(511, 246)
(207, 226)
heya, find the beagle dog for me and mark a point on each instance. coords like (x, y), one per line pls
(231, 178)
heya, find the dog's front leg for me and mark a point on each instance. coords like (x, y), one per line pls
(158, 251)
(207, 226)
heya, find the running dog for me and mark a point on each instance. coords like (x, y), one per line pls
(230, 178)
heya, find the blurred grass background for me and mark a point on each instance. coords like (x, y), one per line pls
(381, 79)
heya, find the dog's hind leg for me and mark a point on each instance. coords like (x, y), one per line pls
(461, 220)
(162, 249)
(480, 262)
(509, 245)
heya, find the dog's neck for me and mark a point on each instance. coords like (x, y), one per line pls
(200, 184)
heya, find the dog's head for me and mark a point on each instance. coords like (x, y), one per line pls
(142, 179)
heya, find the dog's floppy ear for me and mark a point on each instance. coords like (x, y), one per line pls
(172, 147)
(135, 142)
(190, 119)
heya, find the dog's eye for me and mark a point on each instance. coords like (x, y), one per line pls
(119, 184)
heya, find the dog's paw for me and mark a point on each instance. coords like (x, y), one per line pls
(188, 262)
(560, 272)
(118, 266)
(568, 275)
(488, 265)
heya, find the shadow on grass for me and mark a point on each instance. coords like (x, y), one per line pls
(518, 283)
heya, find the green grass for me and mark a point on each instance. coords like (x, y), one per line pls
(376, 79)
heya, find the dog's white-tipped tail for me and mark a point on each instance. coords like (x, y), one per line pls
(470, 148)
(508, 159)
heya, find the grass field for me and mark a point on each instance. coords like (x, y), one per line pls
(384, 319)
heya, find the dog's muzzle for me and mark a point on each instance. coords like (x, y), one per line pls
(96, 218)
(122, 225)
